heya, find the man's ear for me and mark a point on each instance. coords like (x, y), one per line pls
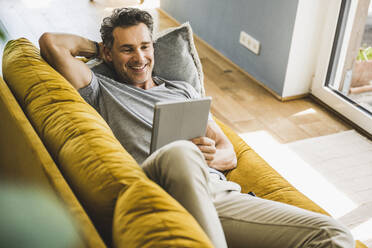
(107, 55)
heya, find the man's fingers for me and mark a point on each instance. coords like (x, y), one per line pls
(203, 141)
(208, 156)
(207, 149)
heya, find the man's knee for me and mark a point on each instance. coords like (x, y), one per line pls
(336, 234)
(344, 235)
(180, 150)
(181, 158)
(181, 146)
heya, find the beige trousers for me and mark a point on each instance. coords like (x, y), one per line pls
(231, 218)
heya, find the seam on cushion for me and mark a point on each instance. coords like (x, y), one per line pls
(242, 153)
(282, 190)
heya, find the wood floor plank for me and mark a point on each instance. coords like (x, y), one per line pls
(232, 111)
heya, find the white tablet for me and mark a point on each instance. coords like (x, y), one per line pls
(181, 120)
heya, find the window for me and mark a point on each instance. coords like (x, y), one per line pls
(343, 79)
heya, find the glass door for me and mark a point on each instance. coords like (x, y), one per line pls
(343, 78)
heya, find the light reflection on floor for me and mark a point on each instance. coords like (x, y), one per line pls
(306, 179)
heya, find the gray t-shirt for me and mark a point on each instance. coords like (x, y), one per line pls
(128, 110)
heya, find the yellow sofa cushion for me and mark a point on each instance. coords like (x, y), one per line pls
(154, 227)
(95, 165)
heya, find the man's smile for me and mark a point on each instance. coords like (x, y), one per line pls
(137, 68)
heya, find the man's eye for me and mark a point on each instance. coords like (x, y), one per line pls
(145, 47)
(126, 50)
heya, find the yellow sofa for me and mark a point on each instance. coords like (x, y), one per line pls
(51, 137)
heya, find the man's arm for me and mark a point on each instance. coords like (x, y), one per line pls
(60, 50)
(216, 147)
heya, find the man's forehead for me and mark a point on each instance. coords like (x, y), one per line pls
(132, 35)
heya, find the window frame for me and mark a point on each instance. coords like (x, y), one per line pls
(339, 41)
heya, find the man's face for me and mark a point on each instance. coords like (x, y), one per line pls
(132, 54)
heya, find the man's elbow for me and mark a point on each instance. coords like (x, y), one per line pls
(46, 42)
(234, 159)
(45, 39)
(234, 162)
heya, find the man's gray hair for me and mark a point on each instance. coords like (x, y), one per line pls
(124, 17)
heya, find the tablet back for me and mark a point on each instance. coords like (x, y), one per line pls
(182, 120)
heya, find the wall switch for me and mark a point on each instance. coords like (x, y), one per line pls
(249, 42)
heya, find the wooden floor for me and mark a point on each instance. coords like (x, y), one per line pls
(237, 99)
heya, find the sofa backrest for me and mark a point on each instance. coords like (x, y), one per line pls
(25, 162)
(101, 173)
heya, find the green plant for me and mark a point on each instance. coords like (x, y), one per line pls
(2, 34)
(365, 54)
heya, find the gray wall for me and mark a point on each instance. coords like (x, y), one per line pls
(219, 23)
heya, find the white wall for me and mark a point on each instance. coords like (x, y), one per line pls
(305, 47)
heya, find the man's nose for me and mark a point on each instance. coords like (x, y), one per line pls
(139, 56)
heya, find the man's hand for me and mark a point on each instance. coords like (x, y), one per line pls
(207, 146)
(217, 149)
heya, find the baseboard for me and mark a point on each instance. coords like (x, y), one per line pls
(223, 57)
(295, 97)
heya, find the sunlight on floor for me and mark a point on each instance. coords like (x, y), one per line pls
(300, 174)
(305, 112)
(363, 231)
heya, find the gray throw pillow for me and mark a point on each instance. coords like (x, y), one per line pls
(176, 57)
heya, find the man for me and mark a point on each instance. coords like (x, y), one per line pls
(124, 92)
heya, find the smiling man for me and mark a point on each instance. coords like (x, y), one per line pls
(123, 90)
(137, 68)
